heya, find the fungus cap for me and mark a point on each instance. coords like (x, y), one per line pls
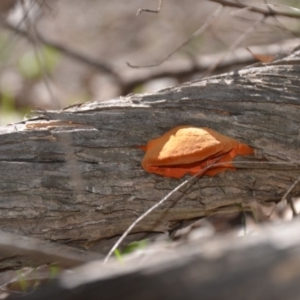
(187, 149)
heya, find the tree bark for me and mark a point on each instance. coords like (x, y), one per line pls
(76, 178)
(262, 267)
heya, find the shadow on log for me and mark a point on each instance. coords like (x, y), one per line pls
(74, 176)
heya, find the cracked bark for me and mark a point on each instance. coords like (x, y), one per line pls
(78, 179)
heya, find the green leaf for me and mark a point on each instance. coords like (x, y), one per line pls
(134, 246)
(118, 255)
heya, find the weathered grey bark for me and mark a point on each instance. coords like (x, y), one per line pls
(78, 179)
(17, 251)
(263, 267)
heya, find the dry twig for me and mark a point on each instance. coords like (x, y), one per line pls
(184, 183)
(195, 34)
(266, 12)
(235, 45)
(290, 201)
(101, 66)
(151, 10)
(146, 213)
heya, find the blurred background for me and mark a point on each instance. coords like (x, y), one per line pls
(57, 53)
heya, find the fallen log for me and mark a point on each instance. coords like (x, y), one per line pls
(262, 267)
(74, 176)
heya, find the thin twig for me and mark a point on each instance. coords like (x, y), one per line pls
(182, 69)
(291, 203)
(266, 12)
(199, 174)
(17, 26)
(101, 66)
(126, 85)
(147, 212)
(31, 28)
(151, 10)
(195, 34)
(234, 45)
(281, 25)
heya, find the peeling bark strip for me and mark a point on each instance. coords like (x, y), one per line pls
(80, 180)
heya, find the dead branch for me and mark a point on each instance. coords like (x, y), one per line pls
(90, 199)
(101, 66)
(197, 33)
(127, 79)
(225, 267)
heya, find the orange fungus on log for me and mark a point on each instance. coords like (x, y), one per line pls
(187, 150)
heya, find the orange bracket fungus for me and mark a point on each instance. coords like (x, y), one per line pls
(188, 150)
